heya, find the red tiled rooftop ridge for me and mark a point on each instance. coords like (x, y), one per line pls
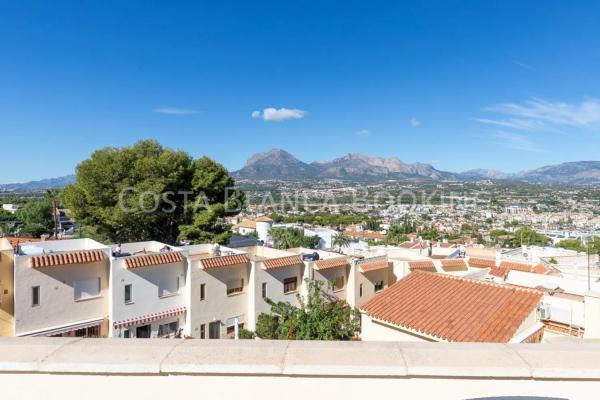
(282, 262)
(223, 261)
(482, 262)
(76, 257)
(422, 266)
(373, 264)
(148, 260)
(454, 264)
(453, 308)
(332, 263)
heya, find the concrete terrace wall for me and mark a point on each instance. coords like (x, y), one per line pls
(68, 368)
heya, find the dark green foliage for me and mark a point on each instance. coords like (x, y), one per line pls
(149, 192)
(318, 317)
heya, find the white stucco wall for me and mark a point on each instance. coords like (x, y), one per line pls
(58, 306)
(375, 331)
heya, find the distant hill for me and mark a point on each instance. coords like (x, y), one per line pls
(279, 164)
(43, 184)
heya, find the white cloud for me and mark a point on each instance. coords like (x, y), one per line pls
(174, 111)
(362, 133)
(414, 122)
(279, 114)
(538, 114)
(516, 142)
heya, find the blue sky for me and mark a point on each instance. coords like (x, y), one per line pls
(503, 85)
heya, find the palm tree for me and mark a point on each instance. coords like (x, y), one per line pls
(340, 240)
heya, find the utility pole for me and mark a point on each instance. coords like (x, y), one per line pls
(54, 219)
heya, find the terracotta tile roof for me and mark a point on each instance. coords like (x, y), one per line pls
(454, 265)
(523, 267)
(282, 262)
(373, 264)
(482, 262)
(422, 266)
(20, 240)
(334, 262)
(223, 261)
(76, 257)
(500, 271)
(454, 309)
(148, 260)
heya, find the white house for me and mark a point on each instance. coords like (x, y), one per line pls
(149, 289)
(61, 288)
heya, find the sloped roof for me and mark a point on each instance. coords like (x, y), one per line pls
(523, 267)
(482, 262)
(373, 264)
(223, 261)
(247, 223)
(454, 265)
(148, 260)
(280, 262)
(76, 257)
(422, 266)
(334, 262)
(453, 308)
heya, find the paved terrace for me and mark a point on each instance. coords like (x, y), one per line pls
(71, 368)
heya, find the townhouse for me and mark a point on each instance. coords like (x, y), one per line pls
(150, 295)
(218, 306)
(61, 288)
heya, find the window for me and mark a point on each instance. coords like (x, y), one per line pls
(126, 333)
(203, 331)
(128, 293)
(168, 286)
(290, 284)
(264, 290)
(202, 291)
(338, 283)
(378, 286)
(235, 286)
(166, 330)
(35, 296)
(360, 290)
(87, 289)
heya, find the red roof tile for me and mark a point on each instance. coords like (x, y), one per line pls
(216, 262)
(422, 266)
(148, 260)
(282, 262)
(334, 262)
(482, 262)
(454, 309)
(523, 267)
(373, 264)
(454, 265)
(76, 257)
(500, 271)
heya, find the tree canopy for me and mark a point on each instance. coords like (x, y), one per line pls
(318, 317)
(149, 192)
(287, 238)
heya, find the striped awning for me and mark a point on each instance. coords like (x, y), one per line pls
(373, 264)
(224, 261)
(75, 257)
(146, 319)
(282, 262)
(168, 257)
(332, 263)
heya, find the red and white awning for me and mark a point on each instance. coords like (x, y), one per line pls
(146, 319)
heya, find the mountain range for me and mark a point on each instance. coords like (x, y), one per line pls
(279, 164)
